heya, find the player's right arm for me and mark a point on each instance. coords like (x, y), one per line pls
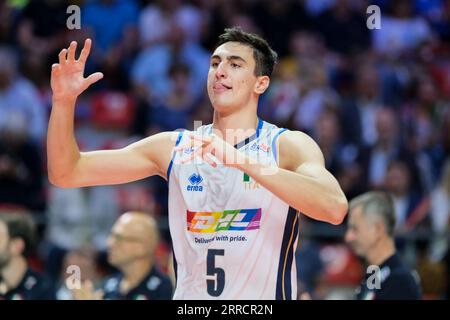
(67, 166)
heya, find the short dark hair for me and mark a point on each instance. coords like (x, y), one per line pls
(265, 57)
(380, 204)
(21, 225)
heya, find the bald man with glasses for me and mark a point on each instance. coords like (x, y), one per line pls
(131, 249)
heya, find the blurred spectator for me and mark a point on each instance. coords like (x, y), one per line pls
(218, 16)
(344, 28)
(116, 44)
(339, 157)
(358, 114)
(75, 218)
(388, 147)
(439, 207)
(327, 135)
(440, 203)
(154, 77)
(17, 280)
(285, 15)
(283, 94)
(41, 31)
(21, 174)
(401, 29)
(316, 7)
(370, 234)
(117, 15)
(131, 249)
(83, 258)
(8, 20)
(173, 112)
(408, 203)
(19, 100)
(423, 118)
(315, 97)
(437, 12)
(164, 13)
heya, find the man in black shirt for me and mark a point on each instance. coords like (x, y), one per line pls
(131, 249)
(155, 286)
(370, 233)
(17, 280)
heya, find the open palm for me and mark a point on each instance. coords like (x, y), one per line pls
(67, 79)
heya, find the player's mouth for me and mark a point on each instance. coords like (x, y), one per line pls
(220, 87)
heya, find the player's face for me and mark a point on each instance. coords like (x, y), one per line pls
(5, 255)
(231, 77)
(360, 234)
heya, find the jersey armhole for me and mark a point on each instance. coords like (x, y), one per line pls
(274, 144)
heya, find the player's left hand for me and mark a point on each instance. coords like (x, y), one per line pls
(205, 147)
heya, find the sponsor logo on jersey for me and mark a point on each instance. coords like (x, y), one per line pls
(228, 220)
(189, 150)
(194, 183)
(260, 146)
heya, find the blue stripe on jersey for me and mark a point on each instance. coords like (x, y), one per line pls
(284, 285)
(180, 134)
(252, 137)
(175, 266)
(274, 146)
(260, 125)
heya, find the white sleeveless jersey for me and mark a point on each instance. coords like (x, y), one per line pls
(232, 238)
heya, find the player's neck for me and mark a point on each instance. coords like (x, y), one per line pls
(13, 273)
(380, 253)
(135, 272)
(233, 125)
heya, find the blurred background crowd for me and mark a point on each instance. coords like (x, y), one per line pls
(376, 102)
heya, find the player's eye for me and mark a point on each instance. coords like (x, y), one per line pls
(214, 64)
(235, 65)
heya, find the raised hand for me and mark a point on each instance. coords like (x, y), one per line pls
(67, 78)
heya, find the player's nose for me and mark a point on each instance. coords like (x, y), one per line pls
(220, 71)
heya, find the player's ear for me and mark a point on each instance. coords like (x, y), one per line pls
(262, 83)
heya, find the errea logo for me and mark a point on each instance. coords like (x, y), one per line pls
(194, 183)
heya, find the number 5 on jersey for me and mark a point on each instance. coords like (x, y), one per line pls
(214, 286)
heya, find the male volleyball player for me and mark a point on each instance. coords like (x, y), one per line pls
(233, 234)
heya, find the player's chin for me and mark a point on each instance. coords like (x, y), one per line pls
(222, 104)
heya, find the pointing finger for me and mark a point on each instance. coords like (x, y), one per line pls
(71, 53)
(86, 50)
